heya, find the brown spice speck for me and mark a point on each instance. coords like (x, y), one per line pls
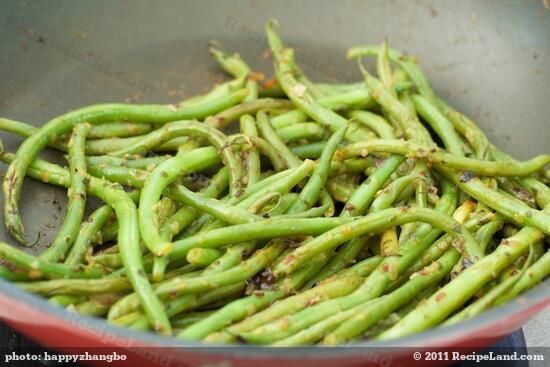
(270, 83)
(290, 244)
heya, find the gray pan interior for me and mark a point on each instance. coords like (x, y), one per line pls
(490, 58)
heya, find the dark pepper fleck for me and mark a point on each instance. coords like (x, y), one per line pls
(466, 176)
(264, 280)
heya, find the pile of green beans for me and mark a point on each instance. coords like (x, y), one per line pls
(337, 212)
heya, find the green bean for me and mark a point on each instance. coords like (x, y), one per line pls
(142, 163)
(310, 192)
(361, 269)
(340, 191)
(186, 214)
(364, 195)
(264, 147)
(310, 150)
(257, 191)
(354, 165)
(17, 127)
(132, 177)
(298, 93)
(38, 268)
(487, 232)
(202, 256)
(358, 98)
(407, 121)
(185, 320)
(234, 65)
(383, 68)
(234, 113)
(96, 306)
(185, 285)
(275, 184)
(488, 299)
(270, 88)
(280, 182)
(268, 133)
(128, 241)
(28, 151)
(420, 275)
(137, 177)
(345, 99)
(534, 274)
(112, 261)
(390, 193)
(64, 300)
(440, 158)
(81, 287)
(376, 221)
(443, 128)
(461, 123)
(219, 91)
(155, 184)
(266, 201)
(374, 122)
(43, 171)
(66, 235)
(439, 247)
(178, 128)
(99, 131)
(12, 276)
(373, 287)
(312, 189)
(241, 308)
(309, 213)
(288, 119)
(461, 288)
(232, 256)
(514, 210)
(512, 187)
(88, 231)
(301, 131)
(252, 158)
(257, 230)
(356, 204)
(367, 315)
(119, 130)
(329, 289)
(164, 209)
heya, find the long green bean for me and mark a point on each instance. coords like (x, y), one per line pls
(77, 198)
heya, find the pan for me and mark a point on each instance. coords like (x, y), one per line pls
(491, 58)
